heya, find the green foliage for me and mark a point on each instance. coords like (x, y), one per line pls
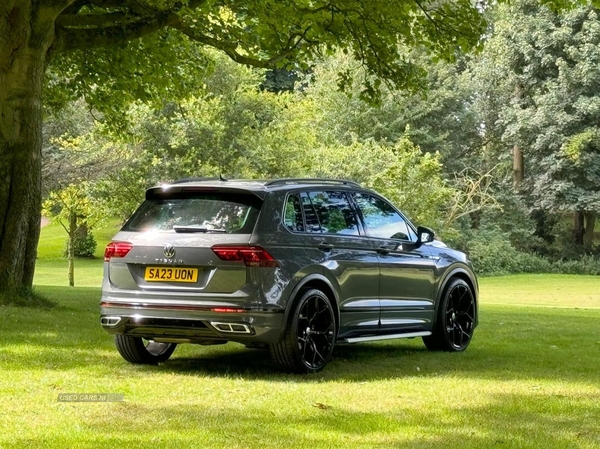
(83, 245)
(171, 61)
(441, 119)
(585, 265)
(231, 127)
(74, 207)
(492, 254)
(553, 100)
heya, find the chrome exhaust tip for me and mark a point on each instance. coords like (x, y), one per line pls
(110, 321)
(232, 328)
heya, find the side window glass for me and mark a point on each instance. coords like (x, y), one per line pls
(312, 220)
(293, 214)
(334, 212)
(381, 220)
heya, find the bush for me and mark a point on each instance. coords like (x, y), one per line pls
(85, 245)
(585, 265)
(493, 255)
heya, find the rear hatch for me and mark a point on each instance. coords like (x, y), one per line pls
(175, 240)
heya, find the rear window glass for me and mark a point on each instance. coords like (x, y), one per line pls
(217, 212)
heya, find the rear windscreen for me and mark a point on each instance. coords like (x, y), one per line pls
(218, 212)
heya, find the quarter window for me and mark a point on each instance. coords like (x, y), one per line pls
(381, 220)
(310, 214)
(331, 210)
(293, 214)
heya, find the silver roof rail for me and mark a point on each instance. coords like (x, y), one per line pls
(311, 181)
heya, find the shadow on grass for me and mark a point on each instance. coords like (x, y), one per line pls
(510, 344)
(524, 343)
(29, 299)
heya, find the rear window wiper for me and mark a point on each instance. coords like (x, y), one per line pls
(183, 229)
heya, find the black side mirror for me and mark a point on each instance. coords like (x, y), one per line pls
(425, 235)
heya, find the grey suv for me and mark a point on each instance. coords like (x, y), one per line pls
(295, 265)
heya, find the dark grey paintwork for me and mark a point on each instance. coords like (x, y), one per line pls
(379, 286)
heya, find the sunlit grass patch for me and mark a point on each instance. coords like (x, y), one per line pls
(529, 379)
(53, 239)
(554, 290)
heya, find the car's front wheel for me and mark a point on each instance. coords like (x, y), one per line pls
(455, 321)
(141, 351)
(307, 344)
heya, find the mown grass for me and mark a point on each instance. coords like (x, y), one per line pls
(529, 379)
(53, 239)
(556, 290)
(51, 265)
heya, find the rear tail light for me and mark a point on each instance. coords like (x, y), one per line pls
(252, 256)
(116, 249)
(227, 310)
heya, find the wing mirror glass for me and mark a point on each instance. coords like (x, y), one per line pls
(425, 235)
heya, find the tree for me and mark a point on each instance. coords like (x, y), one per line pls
(94, 47)
(73, 208)
(439, 119)
(553, 111)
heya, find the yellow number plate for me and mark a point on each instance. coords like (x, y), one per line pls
(171, 274)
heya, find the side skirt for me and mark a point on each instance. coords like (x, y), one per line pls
(385, 337)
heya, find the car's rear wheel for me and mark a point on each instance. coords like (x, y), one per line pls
(141, 351)
(455, 322)
(309, 337)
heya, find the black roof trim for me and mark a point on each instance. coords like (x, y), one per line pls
(183, 180)
(284, 181)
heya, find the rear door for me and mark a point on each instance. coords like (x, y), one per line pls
(333, 228)
(406, 285)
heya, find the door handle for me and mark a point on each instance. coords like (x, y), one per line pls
(325, 246)
(386, 249)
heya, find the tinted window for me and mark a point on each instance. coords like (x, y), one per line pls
(293, 214)
(215, 211)
(310, 214)
(380, 218)
(333, 212)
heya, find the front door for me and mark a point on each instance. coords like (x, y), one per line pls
(406, 272)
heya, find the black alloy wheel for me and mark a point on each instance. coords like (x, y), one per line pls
(455, 322)
(309, 338)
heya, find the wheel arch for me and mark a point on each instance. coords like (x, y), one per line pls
(319, 282)
(466, 275)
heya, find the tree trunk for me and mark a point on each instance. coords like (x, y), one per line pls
(71, 248)
(590, 224)
(578, 228)
(25, 37)
(518, 166)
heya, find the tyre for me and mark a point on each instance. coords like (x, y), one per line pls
(141, 351)
(309, 336)
(455, 321)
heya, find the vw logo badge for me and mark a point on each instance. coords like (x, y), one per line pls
(169, 250)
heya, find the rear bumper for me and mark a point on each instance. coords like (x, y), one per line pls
(191, 323)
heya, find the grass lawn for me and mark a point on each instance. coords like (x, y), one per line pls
(51, 266)
(529, 379)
